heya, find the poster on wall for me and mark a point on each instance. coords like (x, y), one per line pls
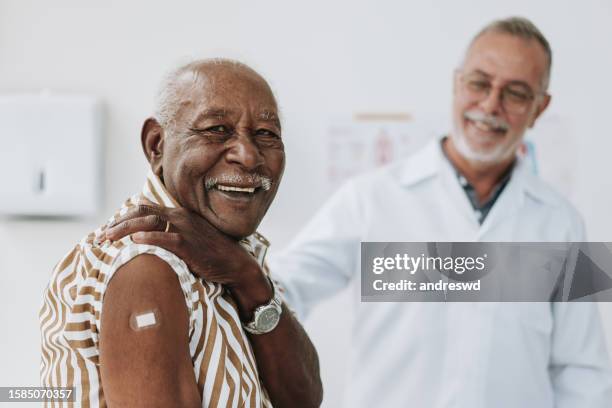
(371, 140)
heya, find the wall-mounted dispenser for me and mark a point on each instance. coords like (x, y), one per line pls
(50, 155)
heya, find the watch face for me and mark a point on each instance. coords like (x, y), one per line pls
(267, 319)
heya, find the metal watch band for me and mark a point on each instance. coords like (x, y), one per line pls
(275, 303)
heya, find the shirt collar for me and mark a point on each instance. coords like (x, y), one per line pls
(422, 165)
(431, 162)
(469, 189)
(155, 191)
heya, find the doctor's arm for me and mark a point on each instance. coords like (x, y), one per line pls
(323, 258)
(580, 369)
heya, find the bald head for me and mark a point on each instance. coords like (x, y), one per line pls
(178, 89)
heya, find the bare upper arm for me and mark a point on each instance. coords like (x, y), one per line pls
(151, 366)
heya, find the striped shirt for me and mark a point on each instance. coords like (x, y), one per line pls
(223, 361)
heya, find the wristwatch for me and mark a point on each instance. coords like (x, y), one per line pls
(266, 317)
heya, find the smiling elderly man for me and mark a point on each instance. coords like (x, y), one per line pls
(467, 186)
(130, 325)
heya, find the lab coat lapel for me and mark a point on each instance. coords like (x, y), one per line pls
(509, 202)
(457, 199)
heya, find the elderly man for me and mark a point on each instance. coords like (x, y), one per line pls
(129, 324)
(468, 186)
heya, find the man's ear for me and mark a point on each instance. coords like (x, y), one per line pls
(540, 109)
(152, 139)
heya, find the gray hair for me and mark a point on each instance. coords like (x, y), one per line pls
(167, 101)
(523, 28)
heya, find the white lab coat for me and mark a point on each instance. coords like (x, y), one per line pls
(434, 355)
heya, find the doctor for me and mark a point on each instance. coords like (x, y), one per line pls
(468, 186)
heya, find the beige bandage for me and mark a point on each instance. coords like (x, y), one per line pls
(144, 320)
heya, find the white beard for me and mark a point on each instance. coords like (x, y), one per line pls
(497, 154)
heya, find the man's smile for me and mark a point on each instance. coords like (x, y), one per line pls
(241, 191)
(238, 189)
(487, 127)
(486, 123)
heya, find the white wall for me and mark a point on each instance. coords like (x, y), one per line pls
(323, 58)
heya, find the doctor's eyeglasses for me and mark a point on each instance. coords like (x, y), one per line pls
(515, 97)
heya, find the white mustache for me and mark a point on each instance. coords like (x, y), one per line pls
(490, 120)
(251, 179)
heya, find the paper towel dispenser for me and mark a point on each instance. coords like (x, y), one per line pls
(50, 155)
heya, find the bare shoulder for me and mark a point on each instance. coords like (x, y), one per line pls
(144, 277)
(144, 342)
(145, 284)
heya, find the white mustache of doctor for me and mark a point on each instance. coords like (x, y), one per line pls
(489, 120)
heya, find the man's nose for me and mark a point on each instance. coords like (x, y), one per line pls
(492, 104)
(245, 152)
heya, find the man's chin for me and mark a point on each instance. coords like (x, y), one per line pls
(479, 150)
(484, 142)
(234, 229)
(482, 155)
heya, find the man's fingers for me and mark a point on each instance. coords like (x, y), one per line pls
(133, 225)
(140, 211)
(168, 240)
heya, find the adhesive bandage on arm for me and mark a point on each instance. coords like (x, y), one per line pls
(144, 320)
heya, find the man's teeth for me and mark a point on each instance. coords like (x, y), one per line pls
(239, 189)
(482, 126)
(485, 127)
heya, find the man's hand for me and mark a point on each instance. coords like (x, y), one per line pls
(209, 254)
(286, 359)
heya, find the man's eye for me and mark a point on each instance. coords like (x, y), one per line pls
(517, 96)
(217, 133)
(218, 129)
(478, 85)
(266, 132)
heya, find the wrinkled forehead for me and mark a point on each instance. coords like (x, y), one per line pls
(224, 89)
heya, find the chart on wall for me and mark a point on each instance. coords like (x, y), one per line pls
(370, 140)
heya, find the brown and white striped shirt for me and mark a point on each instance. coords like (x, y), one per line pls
(223, 361)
